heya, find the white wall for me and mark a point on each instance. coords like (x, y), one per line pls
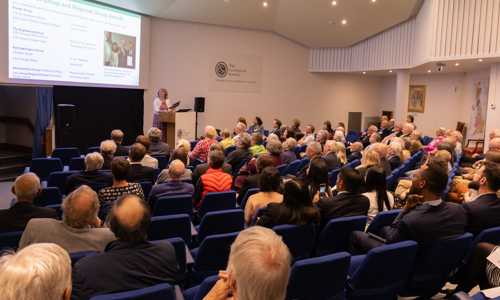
(493, 114)
(179, 62)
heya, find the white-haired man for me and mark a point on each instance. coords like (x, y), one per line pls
(407, 130)
(289, 151)
(458, 137)
(365, 136)
(157, 147)
(91, 174)
(258, 268)
(73, 233)
(394, 151)
(416, 142)
(39, 271)
(308, 135)
(313, 151)
(242, 151)
(374, 139)
(117, 137)
(108, 149)
(26, 188)
(329, 156)
(240, 128)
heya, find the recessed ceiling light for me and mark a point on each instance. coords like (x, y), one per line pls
(331, 22)
(373, 0)
(344, 21)
(429, 71)
(390, 71)
(364, 72)
(334, 3)
(265, 3)
(456, 64)
(480, 59)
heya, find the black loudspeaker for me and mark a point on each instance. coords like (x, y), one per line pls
(199, 104)
(66, 114)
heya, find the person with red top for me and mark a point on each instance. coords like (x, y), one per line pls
(203, 146)
(214, 180)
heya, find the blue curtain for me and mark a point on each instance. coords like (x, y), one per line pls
(44, 113)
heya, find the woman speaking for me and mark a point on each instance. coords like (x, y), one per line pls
(161, 106)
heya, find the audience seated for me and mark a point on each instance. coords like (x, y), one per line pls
(348, 202)
(202, 168)
(157, 147)
(374, 139)
(406, 151)
(251, 182)
(288, 132)
(439, 137)
(234, 158)
(181, 155)
(26, 188)
(380, 199)
(395, 132)
(458, 137)
(108, 149)
(174, 186)
(295, 124)
(73, 232)
(257, 126)
(226, 139)
(328, 127)
(394, 152)
(313, 152)
(117, 137)
(214, 180)
(275, 149)
(240, 128)
(407, 130)
(356, 150)
(129, 262)
(90, 176)
(256, 143)
(370, 159)
(276, 128)
(329, 156)
(147, 160)
(289, 151)
(138, 172)
(442, 220)
(308, 135)
(339, 136)
(202, 147)
(416, 142)
(321, 138)
(119, 169)
(384, 130)
(382, 150)
(296, 207)
(269, 184)
(317, 174)
(258, 268)
(39, 271)
(365, 136)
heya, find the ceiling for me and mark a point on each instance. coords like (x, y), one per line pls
(304, 21)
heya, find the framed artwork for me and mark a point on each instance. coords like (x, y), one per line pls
(416, 99)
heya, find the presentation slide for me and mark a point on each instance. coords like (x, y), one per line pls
(73, 41)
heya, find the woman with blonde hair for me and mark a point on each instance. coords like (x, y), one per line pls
(341, 153)
(202, 147)
(370, 159)
(161, 106)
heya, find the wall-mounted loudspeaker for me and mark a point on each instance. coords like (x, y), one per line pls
(66, 114)
(199, 104)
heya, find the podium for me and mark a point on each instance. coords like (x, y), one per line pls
(179, 126)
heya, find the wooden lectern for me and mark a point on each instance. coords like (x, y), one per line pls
(169, 119)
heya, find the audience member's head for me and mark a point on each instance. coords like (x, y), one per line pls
(322, 136)
(263, 161)
(257, 120)
(108, 147)
(440, 162)
(184, 145)
(291, 144)
(357, 147)
(407, 128)
(410, 119)
(277, 123)
(259, 265)
(349, 180)
(341, 153)
(270, 179)
(327, 126)
(137, 152)
(176, 169)
(430, 180)
(27, 187)
(391, 122)
(381, 149)
(491, 173)
(216, 146)
(257, 138)
(385, 123)
(407, 142)
(225, 134)
(154, 135)
(447, 132)
(313, 149)
(494, 144)
(372, 129)
(457, 135)
(80, 207)
(275, 147)
(210, 132)
(495, 133)
(440, 131)
(245, 140)
(39, 271)
(398, 127)
(370, 158)
(272, 136)
(120, 168)
(181, 155)
(143, 140)
(117, 136)
(310, 128)
(338, 136)
(375, 138)
(330, 146)
(240, 127)
(93, 161)
(289, 133)
(242, 120)
(394, 149)
(317, 173)
(295, 123)
(216, 159)
(129, 219)
(416, 135)
(493, 156)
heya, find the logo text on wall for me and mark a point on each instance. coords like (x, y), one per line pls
(222, 69)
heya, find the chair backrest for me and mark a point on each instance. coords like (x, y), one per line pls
(162, 161)
(42, 167)
(347, 165)
(383, 271)
(93, 149)
(65, 154)
(105, 209)
(335, 236)
(193, 144)
(77, 164)
(49, 196)
(77, 256)
(58, 179)
(350, 138)
(282, 169)
(200, 291)
(219, 222)
(325, 277)
(240, 165)
(388, 181)
(156, 173)
(212, 255)
(190, 168)
(146, 189)
(355, 163)
(332, 176)
(217, 201)
(173, 205)
(249, 193)
(58, 209)
(10, 239)
(266, 132)
(303, 163)
(293, 167)
(229, 150)
(297, 152)
(260, 213)
(165, 227)
(382, 219)
(162, 291)
(187, 180)
(180, 253)
(490, 235)
(298, 238)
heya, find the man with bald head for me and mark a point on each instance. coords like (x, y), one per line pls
(382, 150)
(129, 262)
(73, 233)
(26, 188)
(172, 187)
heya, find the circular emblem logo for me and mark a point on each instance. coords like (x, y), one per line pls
(221, 69)
(179, 133)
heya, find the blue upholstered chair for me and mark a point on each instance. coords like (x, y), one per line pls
(49, 196)
(298, 238)
(335, 236)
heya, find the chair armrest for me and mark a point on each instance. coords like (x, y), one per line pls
(178, 293)
(189, 257)
(478, 141)
(461, 296)
(194, 232)
(355, 262)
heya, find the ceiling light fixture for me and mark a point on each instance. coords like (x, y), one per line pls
(364, 72)
(265, 3)
(344, 21)
(480, 59)
(374, 0)
(456, 64)
(390, 71)
(334, 3)
(429, 71)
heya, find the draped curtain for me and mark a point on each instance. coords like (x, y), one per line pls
(44, 96)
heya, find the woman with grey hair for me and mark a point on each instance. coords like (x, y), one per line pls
(275, 148)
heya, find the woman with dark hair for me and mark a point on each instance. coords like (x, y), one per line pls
(269, 183)
(241, 120)
(410, 119)
(317, 173)
(181, 155)
(119, 169)
(296, 208)
(289, 132)
(380, 198)
(257, 126)
(328, 127)
(295, 125)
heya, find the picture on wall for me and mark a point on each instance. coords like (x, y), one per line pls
(479, 107)
(416, 99)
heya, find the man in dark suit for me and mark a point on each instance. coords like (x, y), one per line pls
(347, 202)
(356, 150)
(108, 148)
(26, 188)
(122, 55)
(203, 168)
(396, 132)
(234, 158)
(277, 128)
(394, 160)
(117, 137)
(251, 182)
(90, 176)
(384, 129)
(365, 136)
(329, 156)
(483, 211)
(138, 172)
(382, 150)
(313, 151)
(443, 220)
(131, 56)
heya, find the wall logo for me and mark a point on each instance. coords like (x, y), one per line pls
(179, 133)
(221, 69)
